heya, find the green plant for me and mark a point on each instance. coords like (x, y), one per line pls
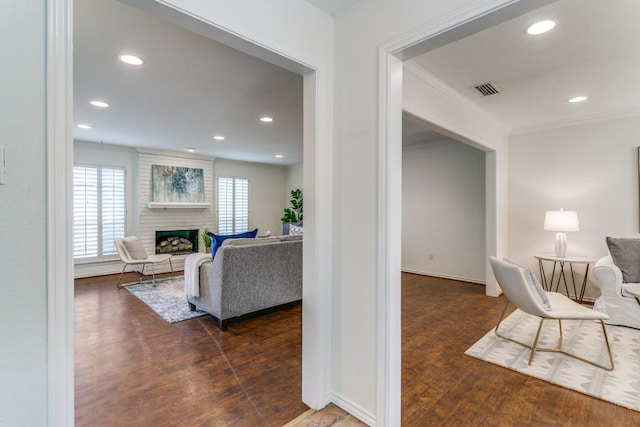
(294, 213)
(206, 238)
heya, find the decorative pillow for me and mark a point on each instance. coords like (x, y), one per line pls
(537, 289)
(626, 255)
(295, 230)
(535, 286)
(216, 239)
(287, 225)
(135, 248)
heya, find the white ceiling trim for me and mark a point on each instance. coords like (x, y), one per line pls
(417, 145)
(437, 84)
(584, 120)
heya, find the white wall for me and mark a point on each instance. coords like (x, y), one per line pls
(589, 168)
(266, 188)
(23, 208)
(443, 210)
(294, 180)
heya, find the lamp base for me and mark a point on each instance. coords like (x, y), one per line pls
(561, 245)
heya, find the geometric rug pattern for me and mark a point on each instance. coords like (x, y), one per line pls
(167, 298)
(583, 338)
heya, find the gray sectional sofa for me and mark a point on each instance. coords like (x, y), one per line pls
(249, 275)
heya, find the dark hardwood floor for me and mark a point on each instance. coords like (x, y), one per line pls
(133, 368)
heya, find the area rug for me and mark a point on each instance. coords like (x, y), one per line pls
(584, 338)
(166, 298)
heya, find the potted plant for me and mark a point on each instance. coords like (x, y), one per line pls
(206, 239)
(292, 215)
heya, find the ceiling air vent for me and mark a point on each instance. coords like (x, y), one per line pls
(486, 89)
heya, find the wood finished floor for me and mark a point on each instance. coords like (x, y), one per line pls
(132, 368)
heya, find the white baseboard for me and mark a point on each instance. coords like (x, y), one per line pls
(115, 267)
(445, 276)
(361, 414)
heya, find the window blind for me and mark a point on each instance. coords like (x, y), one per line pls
(99, 211)
(233, 205)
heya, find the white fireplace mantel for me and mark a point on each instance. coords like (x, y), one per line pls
(178, 205)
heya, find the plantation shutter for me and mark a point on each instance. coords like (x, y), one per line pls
(233, 205)
(113, 209)
(99, 212)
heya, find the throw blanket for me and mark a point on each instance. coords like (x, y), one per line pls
(192, 273)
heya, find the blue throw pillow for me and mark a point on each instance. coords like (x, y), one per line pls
(216, 239)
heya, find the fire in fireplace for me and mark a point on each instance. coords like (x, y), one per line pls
(176, 242)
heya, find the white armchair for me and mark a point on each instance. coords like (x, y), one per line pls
(132, 252)
(620, 306)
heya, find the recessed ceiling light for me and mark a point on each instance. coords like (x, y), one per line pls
(191, 149)
(83, 126)
(279, 156)
(540, 27)
(219, 137)
(266, 119)
(131, 59)
(97, 103)
(577, 99)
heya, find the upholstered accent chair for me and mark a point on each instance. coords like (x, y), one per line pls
(524, 292)
(622, 308)
(132, 252)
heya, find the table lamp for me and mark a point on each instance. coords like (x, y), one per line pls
(561, 221)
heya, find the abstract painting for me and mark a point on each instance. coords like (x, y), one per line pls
(177, 184)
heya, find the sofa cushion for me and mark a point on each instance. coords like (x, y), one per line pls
(625, 253)
(290, 238)
(135, 248)
(217, 239)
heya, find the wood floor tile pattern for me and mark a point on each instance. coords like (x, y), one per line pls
(134, 369)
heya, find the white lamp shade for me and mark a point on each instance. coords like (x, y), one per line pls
(561, 221)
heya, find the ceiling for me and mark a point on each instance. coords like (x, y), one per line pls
(189, 89)
(192, 88)
(333, 7)
(594, 50)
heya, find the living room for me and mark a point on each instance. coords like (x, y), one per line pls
(355, 132)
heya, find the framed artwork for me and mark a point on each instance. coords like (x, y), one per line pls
(177, 184)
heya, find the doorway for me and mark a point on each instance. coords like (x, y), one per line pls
(317, 149)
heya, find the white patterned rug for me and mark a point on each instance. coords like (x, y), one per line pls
(166, 299)
(583, 338)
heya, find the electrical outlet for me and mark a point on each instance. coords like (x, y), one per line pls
(430, 256)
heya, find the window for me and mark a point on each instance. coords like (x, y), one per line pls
(99, 212)
(233, 205)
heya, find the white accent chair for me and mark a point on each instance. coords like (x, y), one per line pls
(140, 258)
(621, 307)
(518, 289)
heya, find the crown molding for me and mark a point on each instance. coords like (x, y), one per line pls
(578, 121)
(167, 153)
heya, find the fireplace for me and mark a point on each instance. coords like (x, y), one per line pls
(176, 242)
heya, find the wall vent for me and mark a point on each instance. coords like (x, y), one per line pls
(486, 89)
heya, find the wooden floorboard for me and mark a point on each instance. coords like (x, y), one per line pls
(133, 368)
